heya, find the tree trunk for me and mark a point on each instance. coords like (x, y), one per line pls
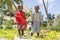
(45, 9)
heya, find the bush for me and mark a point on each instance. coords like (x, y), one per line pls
(58, 21)
(8, 34)
(56, 28)
(12, 21)
(51, 21)
(4, 21)
(52, 36)
(45, 23)
(1, 27)
(1, 21)
(9, 25)
(28, 14)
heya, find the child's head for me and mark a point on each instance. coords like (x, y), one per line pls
(37, 8)
(20, 7)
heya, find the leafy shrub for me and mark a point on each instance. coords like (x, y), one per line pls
(56, 28)
(52, 36)
(58, 21)
(45, 23)
(8, 34)
(28, 14)
(1, 27)
(51, 21)
(4, 21)
(1, 20)
(9, 25)
(12, 21)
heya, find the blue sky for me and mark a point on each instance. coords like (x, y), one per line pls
(53, 6)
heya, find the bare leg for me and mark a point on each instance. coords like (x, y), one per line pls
(19, 32)
(38, 34)
(31, 34)
(19, 29)
(22, 32)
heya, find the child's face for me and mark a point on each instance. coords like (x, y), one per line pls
(37, 9)
(20, 7)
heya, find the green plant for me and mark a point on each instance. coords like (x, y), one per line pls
(51, 21)
(1, 27)
(8, 34)
(28, 14)
(52, 36)
(45, 23)
(1, 20)
(56, 28)
(9, 25)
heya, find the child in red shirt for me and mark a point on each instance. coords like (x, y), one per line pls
(21, 19)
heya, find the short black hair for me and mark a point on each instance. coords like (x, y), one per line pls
(37, 6)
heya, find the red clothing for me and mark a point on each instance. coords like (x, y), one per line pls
(20, 19)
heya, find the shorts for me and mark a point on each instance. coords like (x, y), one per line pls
(35, 27)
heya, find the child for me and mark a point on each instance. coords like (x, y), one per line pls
(21, 20)
(36, 21)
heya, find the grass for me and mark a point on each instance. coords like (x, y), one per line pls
(45, 35)
(10, 34)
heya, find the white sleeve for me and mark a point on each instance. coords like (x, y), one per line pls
(41, 17)
(32, 17)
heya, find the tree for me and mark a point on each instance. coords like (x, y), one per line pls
(53, 16)
(17, 1)
(9, 4)
(45, 9)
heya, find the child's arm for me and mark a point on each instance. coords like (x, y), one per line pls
(41, 17)
(24, 16)
(32, 19)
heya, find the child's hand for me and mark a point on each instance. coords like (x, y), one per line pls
(32, 23)
(40, 24)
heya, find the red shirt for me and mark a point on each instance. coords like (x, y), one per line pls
(20, 18)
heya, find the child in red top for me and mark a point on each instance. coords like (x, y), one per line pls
(21, 20)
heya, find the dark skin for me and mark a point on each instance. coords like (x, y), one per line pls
(36, 10)
(21, 29)
(20, 8)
